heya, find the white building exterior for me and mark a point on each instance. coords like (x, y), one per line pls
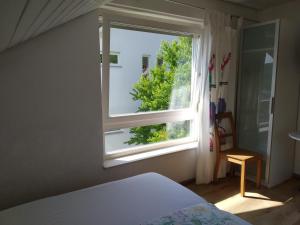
(130, 46)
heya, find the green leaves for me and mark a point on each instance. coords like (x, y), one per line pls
(167, 85)
(148, 134)
(154, 90)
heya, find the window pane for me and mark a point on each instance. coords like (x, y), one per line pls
(113, 59)
(137, 136)
(165, 79)
(159, 61)
(145, 64)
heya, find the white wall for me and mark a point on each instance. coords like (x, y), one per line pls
(287, 91)
(50, 133)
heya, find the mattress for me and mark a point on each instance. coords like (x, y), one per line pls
(130, 201)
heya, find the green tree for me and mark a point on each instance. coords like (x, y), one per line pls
(166, 86)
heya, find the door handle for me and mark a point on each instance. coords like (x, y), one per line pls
(272, 105)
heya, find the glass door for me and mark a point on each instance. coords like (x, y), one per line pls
(256, 87)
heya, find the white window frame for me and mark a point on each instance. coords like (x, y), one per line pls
(143, 118)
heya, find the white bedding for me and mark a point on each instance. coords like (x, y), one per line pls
(131, 201)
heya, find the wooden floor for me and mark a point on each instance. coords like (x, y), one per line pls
(279, 205)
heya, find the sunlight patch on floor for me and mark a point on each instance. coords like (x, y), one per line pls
(253, 201)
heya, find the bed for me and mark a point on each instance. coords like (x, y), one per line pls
(138, 200)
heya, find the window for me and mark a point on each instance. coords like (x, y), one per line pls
(145, 64)
(113, 58)
(143, 113)
(159, 61)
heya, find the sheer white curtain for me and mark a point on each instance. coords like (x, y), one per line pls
(213, 69)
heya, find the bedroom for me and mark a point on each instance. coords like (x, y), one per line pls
(56, 103)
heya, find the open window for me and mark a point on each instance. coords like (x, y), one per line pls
(147, 103)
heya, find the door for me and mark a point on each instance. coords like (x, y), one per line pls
(256, 89)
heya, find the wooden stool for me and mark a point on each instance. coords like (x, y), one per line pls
(234, 155)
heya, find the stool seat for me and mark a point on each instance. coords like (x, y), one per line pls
(240, 154)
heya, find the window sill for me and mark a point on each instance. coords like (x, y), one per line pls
(146, 155)
(115, 65)
(115, 131)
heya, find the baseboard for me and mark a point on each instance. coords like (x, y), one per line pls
(297, 176)
(189, 181)
(253, 179)
(249, 177)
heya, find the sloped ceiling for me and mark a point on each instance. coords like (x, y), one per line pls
(258, 4)
(24, 19)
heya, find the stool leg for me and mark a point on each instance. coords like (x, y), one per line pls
(243, 178)
(258, 173)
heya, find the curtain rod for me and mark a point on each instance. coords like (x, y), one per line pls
(203, 8)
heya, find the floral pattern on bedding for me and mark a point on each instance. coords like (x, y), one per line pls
(201, 214)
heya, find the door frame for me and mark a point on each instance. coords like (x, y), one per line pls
(273, 87)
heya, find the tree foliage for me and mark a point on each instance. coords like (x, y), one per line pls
(166, 86)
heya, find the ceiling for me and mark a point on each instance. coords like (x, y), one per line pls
(258, 4)
(24, 19)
